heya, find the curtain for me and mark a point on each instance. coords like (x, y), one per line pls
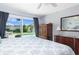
(36, 24)
(3, 19)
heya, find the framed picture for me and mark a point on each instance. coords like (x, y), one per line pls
(70, 23)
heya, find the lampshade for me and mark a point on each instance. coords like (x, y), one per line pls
(58, 28)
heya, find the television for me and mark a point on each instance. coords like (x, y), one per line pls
(70, 23)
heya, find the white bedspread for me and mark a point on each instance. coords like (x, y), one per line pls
(32, 45)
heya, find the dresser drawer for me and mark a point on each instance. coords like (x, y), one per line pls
(76, 51)
(77, 43)
(65, 40)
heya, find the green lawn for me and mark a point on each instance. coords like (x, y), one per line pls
(23, 33)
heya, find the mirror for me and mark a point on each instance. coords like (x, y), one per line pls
(70, 23)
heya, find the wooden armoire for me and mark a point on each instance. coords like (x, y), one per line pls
(45, 31)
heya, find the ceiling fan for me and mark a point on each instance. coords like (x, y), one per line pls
(52, 4)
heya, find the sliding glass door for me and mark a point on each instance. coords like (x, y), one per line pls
(28, 27)
(13, 26)
(17, 26)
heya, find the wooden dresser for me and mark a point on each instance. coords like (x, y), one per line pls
(45, 31)
(70, 41)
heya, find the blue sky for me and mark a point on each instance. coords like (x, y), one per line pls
(27, 21)
(14, 21)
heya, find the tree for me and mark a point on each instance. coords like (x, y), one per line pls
(25, 28)
(30, 28)
(16, 31)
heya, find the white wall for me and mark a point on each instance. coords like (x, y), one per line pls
(41, 20)
(55, 19)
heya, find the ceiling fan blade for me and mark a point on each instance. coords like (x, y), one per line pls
(39, 6)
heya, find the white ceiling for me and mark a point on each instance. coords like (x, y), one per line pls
(32, 8)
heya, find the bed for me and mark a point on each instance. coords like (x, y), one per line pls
(31, 45)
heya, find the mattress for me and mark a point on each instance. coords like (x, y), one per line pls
(31, 45)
